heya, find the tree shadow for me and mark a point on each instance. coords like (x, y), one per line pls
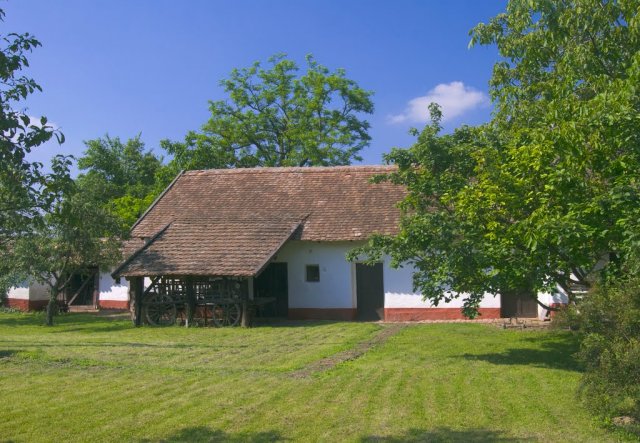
(68, 322)
(276, 322)
(447, 435)
(22, 319)
(555, 352)
(90, 329)
(7, 353)
(206, 434)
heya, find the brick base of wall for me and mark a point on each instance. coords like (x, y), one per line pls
(114, 304)
(322, 314)
(26, 305)
(418, 314)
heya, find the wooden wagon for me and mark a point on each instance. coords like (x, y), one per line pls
(215, 301)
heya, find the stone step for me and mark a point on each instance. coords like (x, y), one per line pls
(82, 308)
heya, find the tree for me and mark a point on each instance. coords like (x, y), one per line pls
(274, 117)
(23, 184)
(74, 235)
(547, 193)
(121, 177)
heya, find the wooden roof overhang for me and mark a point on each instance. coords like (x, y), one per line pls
(222, 247)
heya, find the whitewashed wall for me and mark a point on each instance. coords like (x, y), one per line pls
(20, 292)
(29, 290)
(399, 293)
(112, 291)
(334, 290)
(38, 291)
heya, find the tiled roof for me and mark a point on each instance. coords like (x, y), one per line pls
(340, 202)
(229, 247)
(227, 222)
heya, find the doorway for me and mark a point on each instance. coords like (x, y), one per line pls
(82, 289)
(273, 282)
(369, 291)
(518, 305)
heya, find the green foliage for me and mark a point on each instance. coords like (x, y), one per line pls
(120, 177)
(24, 187)
(567, 100)
(73, 235)
(548, 193)
(610, 351)
(276, 117)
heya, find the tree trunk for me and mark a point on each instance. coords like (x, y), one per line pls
(52, 306)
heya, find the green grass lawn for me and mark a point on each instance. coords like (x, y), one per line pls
(98, 379)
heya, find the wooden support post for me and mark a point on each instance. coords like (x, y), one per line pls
(136, 288)
(247, 294)
(96, 289)
(246, 315)
(190, 302)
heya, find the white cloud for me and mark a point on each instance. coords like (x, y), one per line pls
(454, 98)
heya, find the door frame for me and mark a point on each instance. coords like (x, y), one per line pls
(354, 287)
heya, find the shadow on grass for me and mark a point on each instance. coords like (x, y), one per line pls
(89, 328)
(286, 323)
(554, 352)
(206, 434)
(446, 435)
(69, 322)
(22, 319)
(7, 353)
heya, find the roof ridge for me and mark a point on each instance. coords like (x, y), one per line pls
(257, 217)
(291, 169)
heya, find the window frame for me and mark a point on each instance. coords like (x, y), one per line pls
(312, 277)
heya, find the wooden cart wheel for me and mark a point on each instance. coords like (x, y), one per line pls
(227, 314)
(160, 310)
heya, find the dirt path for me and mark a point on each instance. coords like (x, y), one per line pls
(330, 362)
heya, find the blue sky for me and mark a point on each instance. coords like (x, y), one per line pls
(150, 67)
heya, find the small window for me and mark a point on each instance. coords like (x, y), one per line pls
(313, 273)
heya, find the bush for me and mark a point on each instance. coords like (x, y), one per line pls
(568, 317)
(609, 321)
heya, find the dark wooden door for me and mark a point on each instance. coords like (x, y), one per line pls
(273, 282)
(370, 291)
(82, 288)
(518, 305)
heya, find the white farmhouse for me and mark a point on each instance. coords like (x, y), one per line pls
(277, 234)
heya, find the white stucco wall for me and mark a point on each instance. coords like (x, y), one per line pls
(38, 291)
(29, 290)
(110, 290)
(20, 292)
(398, 291)
(334, 290)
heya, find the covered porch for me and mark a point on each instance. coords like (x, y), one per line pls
(203, 273)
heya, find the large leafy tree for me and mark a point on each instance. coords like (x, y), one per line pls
(121, 176)
(547, 193)
(26, 189)
(74, 235)
(23, 183)
(276, 117)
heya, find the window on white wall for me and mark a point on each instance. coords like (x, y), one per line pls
(313, 273)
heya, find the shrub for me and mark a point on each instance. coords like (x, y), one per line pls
(609, 320)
